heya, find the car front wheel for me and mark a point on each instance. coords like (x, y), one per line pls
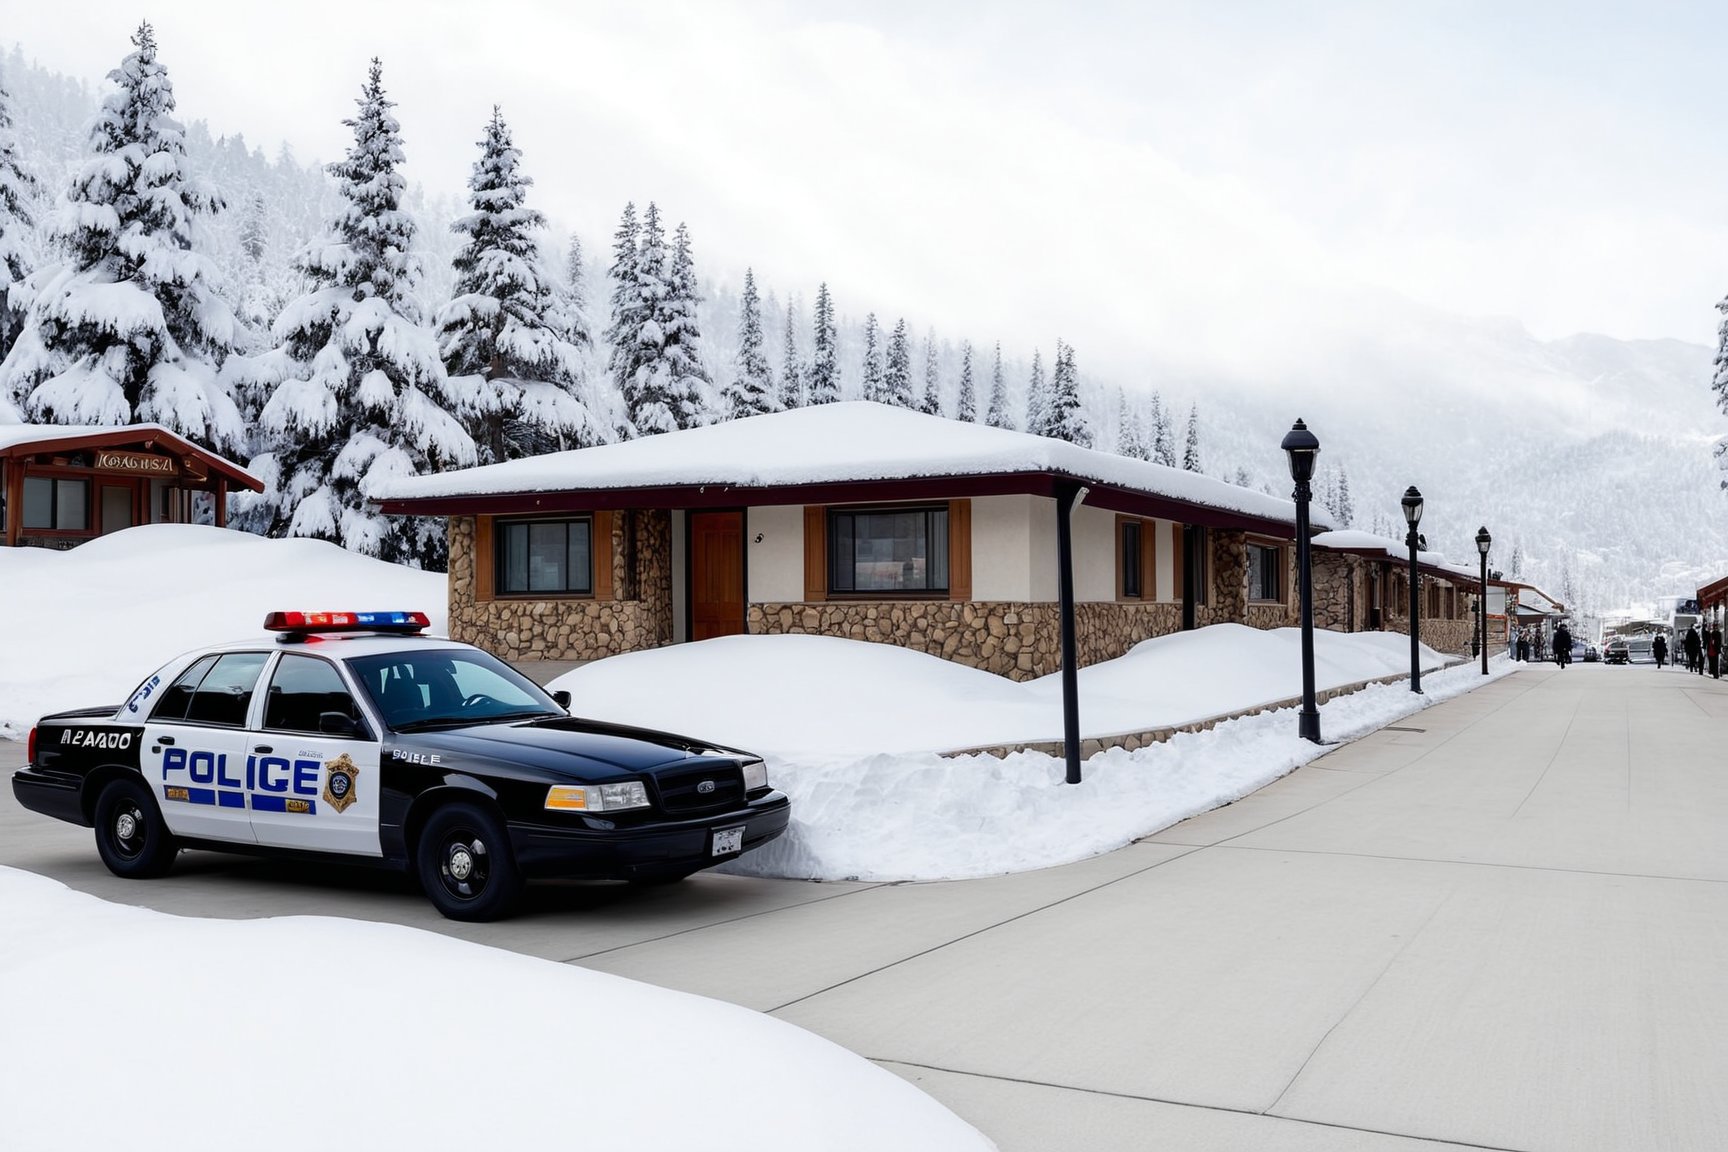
(131, 836)
(465, 864)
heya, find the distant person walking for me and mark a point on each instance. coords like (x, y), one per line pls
(1713, 650)
(1562, 645)
(1693, 648)
(1659, 649)
(1541, 644)
(1524, 645)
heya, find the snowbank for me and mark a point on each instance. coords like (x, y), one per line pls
(81, 628)
(306, 1032)
(847, 729)
(798, 695)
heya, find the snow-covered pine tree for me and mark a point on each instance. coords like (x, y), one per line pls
(791, 364)
(931, 402)
(569, 315)
(1718, 383)
(17, 188)
(684, 353)
(996, 416)
(871, 365)
(362, 395)
(1163, 441)
(1037, 398)
(825, 354)
(627, 308)
(662, 393)
(750, 392)
(129, 325)
(897, 376)
(1064, 415)
(1130, 433)
(1191, 450)
(966, 408)
(1517, 565)
(499, 333)
(1346, 510)
(1242, 479)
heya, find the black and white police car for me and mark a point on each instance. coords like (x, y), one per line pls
(355, 737)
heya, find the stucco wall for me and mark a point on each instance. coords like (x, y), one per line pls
(776, 565)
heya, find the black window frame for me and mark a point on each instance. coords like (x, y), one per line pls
(834, 545)
(1271, 569)
(215, 660)
(501, 539)
(54, 483)
(1129, 541)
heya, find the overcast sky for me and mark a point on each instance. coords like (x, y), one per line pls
(1150, 181)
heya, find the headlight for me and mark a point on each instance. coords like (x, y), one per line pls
(597, 797)
(755, 775)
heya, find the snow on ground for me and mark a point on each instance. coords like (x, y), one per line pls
(82, 628)
(846, 728)
(131, 1027)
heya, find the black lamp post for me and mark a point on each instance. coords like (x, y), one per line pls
(1483, 543)
(1413, 516)
(1302, 446)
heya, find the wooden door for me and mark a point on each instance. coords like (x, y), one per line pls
(716, 574)
(117, 502)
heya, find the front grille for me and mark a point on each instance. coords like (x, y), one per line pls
(681, 791)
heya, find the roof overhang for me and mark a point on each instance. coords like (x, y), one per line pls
(1109, 497)
(1384, 557)
(147, 436)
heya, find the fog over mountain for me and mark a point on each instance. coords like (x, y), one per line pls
(1593, 456)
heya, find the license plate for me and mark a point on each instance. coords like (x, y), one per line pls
(728, 841)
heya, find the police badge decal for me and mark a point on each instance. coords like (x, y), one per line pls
(339, 782)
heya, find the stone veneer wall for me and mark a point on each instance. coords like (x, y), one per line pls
(1340, 591)
(572, 628)
(1010, 638)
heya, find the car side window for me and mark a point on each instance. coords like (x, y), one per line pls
(303, 689)
(225, 693)
(173, 703)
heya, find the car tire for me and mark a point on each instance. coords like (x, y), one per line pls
(131, 836)
(465, 864)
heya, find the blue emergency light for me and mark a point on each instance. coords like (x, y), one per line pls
(404, 622)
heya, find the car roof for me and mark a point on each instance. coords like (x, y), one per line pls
(341, 646)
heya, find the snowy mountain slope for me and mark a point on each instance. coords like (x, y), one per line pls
(1592, 454)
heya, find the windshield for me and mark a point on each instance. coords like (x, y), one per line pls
(448, 687)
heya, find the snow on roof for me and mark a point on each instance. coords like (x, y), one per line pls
(22, 435)
(1351, 540)
(831, 443)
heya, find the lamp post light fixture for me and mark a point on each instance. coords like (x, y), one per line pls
(1413, 516)
(1302, 447)
(1483, 543)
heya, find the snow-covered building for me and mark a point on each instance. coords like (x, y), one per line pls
(61, 485)
(849, 519)
(1362, 583)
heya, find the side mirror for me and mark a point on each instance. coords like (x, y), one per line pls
(562, 699)
(338, 724)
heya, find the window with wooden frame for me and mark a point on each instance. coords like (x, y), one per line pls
(56, 504)
(1434, 601)
(544, 557)
(1190, 548)
(895, 551)
(1136, 559)
(1265, 573)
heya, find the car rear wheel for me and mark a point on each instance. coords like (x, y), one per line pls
(131, 836)
(465, 864)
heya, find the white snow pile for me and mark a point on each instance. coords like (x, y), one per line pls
(845, 728)
(81, 628)
(305, 1032)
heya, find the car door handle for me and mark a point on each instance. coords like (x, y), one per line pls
(164, 739)
(263, 748)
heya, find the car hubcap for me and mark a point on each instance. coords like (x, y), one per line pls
(466, 868)
(126, 827)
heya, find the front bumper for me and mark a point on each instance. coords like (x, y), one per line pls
(545, 851)
(56, 794)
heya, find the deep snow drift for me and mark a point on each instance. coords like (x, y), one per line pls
(305, 1032)
(846, 728)
(82, 628)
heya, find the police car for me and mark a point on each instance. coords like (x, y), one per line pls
(355, 737)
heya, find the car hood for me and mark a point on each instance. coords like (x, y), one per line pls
(563, 746)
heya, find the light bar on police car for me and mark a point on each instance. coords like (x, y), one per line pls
(346, 622)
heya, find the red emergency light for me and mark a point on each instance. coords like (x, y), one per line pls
(406, 622)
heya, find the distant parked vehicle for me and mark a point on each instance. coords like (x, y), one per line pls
(1617, 651)
(1588, 653)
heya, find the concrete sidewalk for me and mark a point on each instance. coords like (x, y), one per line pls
(1499, 924)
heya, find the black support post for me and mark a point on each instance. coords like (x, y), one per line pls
(1415, 619)
(1068, 494)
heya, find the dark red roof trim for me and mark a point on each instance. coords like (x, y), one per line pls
(170, 443)
(1101, 495)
